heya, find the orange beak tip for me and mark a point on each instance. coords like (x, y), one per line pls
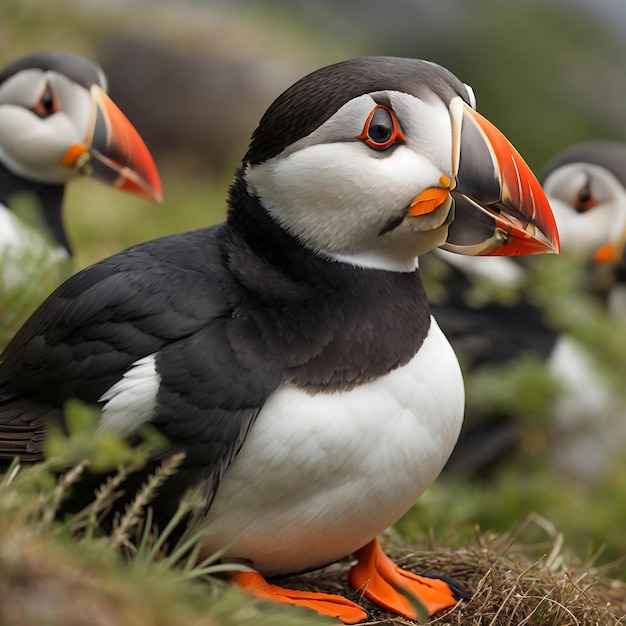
(156, 195)
(525, 223)
(149, 189)
(121, 157)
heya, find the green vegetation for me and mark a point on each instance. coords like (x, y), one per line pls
(68, 572)
(50, 579)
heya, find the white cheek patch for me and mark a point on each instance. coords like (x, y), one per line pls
(583, 233)
(565, 182)
(74, 101)
(131, 401)
(23, 88)
(330, 172)
(33, 147)
(341, 176)
(337, 195)
(427, 127)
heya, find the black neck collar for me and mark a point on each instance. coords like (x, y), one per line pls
(347, 325)
(249, 219)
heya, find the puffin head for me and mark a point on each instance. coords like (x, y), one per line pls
(56, 122)
(376, 160)
(586, 185)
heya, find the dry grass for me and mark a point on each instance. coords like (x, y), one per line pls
(512, 583)
(70, 573)
(50, 576)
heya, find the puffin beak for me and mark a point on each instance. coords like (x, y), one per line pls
(612, 252)
(113, 151)
(499, 205)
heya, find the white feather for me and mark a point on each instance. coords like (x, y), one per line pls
(320, 475)
(501, 270)
(588, 419)
(131, 401)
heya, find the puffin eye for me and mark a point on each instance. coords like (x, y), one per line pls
(47, 104)
(585, 199)
(381, 129)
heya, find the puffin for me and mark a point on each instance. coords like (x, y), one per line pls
(57, 123)
(586, 186)
(289, 352)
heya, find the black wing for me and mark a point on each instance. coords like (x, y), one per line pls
(174, 298)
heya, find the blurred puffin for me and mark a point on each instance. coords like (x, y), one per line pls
(289, 352)
(586, 186)
(57, 123)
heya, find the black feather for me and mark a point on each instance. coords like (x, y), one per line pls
(231, 312)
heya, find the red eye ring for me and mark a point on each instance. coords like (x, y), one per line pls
(47, 104)
(381, 133)
(585, 200)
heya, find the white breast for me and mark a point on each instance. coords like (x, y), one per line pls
(321, 475)
(589, 426)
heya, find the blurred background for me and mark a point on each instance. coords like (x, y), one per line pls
(195, 77)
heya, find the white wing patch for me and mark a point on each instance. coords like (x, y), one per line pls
(131, 401)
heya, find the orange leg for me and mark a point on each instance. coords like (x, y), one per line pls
(387, 585)
(326, 604)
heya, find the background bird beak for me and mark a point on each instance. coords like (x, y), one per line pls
(612, 252)
(499, 205)
(114, 152)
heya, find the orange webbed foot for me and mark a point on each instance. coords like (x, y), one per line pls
(388, 585)
(326, 604)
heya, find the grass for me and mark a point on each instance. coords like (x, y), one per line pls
(69, 573)
(513, 578)
(123, 220)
